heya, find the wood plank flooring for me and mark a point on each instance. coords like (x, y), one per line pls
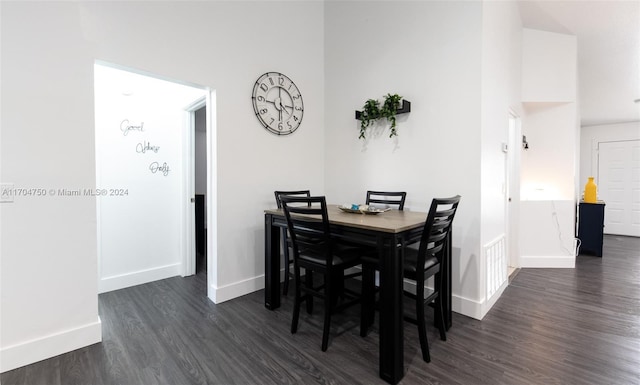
(551, 326)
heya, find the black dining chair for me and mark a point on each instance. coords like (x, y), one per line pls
(389, 198)
(386, 198)
(419, 265)
(316, 251)
(286, 244)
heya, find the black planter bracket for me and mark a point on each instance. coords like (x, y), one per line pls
(406, 107)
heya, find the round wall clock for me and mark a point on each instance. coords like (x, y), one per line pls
(277, 103)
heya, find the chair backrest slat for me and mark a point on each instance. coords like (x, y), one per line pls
(308, 224)
(444, 213)
(437, 228)
(279, 194)
(394, 198)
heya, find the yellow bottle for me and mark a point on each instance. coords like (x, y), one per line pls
(590, 194)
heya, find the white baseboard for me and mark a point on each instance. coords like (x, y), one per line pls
(465, 306)
(122, 281)
(240, 288)
(461, 305)
(487, 305)
(468, 307)
(39, 349)
(559, 261)
(237, 289)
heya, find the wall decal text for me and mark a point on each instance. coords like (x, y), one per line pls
(126, 127)
(156, 167)
(145, 146)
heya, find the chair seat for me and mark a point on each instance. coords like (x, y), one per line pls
(344, 255)
(411, 262)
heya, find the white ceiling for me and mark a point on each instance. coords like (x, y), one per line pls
(608, 35)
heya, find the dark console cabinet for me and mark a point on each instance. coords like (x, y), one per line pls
(591, 227)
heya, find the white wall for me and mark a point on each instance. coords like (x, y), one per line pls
(140, 217)
(547, 238)
(549, 67)
(501, 74)
(549, 166)
(49, 266)
(445, 83)
(48, 50)
(434, 61)
(501, 90)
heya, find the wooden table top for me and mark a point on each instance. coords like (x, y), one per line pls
(392, 221)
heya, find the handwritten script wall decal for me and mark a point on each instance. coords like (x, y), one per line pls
(145, 146)
(127, 127)
(156, 167)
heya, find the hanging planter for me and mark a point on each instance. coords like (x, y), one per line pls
(372, 111)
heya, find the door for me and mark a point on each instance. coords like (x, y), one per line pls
(618, 182)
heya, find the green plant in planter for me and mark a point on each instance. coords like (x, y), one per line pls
(372, 111)
(389, 110)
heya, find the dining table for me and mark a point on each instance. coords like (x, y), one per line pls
(390, 231)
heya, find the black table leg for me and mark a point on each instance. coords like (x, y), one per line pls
(391, 312)
(271, 264)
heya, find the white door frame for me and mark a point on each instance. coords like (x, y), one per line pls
(212, 197)
(512, 187)
(188, 188)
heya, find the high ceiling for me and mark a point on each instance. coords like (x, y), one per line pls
(608, 35)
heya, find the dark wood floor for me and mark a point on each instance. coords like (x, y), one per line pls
(551, 326)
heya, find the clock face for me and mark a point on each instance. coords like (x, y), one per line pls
(277, 103)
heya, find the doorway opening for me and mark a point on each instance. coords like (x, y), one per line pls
(200, 178)
(195, 184)
(145, 175)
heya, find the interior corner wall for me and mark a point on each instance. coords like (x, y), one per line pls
(433, 61)
(48, 52)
